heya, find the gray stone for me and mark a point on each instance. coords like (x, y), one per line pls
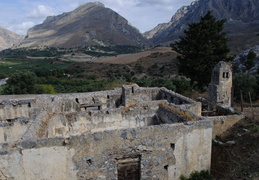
(2, 153)
(231, 142)
(29, 143)
(124, 135)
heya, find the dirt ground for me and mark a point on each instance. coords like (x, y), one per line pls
(235, 155)
(129, 58)
(160, 61)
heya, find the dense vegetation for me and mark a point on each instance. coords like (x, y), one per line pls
(55, 52)
(245, 84)
(22, 83)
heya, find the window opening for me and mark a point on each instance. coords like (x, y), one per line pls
(129, 168)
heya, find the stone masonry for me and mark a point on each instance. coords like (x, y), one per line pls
(220, 88)
(129, 133)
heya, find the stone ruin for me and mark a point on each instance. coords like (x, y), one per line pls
(128, 133)
(220, 88)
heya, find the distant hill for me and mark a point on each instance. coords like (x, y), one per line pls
(242, 22)
(89, 24)
(8, 39)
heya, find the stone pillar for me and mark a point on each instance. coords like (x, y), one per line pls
(220, 88)
(130, 94)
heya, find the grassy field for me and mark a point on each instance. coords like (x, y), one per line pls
(10, 65)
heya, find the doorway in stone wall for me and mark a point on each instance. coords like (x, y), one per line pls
(129, 168)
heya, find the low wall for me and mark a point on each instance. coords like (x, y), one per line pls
(132, 94)
(93, 121)
(12, 107)
(170, 113)
(180, 100)
(161, 152)
(222, 123)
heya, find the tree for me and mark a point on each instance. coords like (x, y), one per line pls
(22, 82)
(202, 47)
(250, 59)
(245, 83)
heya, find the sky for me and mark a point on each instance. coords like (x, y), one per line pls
(20, 15)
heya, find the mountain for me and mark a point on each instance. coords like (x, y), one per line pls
(8, 39)
(89, 24)
(241, 63)
(242, 22)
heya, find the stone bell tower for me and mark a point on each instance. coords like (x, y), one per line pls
(220, 88)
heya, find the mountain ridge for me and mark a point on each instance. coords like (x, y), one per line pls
(8, 39)
(238, 13)
(89, 24)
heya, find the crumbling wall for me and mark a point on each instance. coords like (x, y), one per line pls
(60, 124)
(15, 108)
(163, 152)
(222, 123)
(133, 94)
(170, 113)
(184, 102)
(26, 116)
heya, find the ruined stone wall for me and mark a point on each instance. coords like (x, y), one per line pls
(221, 124)
(103, 135)
(162, 151)
(171, 113)
(132, 94)
(184, 102)
(143, 114)
(26, 116)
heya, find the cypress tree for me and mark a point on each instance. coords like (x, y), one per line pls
(201, 48)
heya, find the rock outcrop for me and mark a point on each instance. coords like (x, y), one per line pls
(89, 24)
(8, 39)
(242, 21)
(240, 63)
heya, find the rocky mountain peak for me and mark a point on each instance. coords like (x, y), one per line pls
(241, 16)
(8, 39)
(89, 24)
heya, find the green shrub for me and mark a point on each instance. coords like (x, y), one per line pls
(202, 175)
(245, 83)
(22, 82)
(163, 82)
(182, 84)
(2, 76)
(250, 59)
(48, 89)
(143, 82)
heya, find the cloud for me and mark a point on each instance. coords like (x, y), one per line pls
(21, 28)
(41, 12)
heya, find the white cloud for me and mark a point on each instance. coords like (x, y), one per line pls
(21, 28)
(41, 12)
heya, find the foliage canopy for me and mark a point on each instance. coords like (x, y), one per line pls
(202, 47)
(22, 82)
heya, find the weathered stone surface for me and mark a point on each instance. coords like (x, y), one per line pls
(29, 143)
(220, 88)
(178, 147)
(71, 136)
